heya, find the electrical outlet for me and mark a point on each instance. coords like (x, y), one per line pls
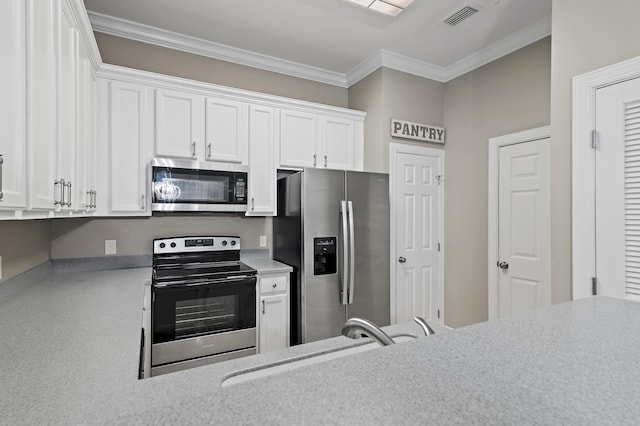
(263, 240)
(110, 247)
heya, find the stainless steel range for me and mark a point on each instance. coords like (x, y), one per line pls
(203, 303)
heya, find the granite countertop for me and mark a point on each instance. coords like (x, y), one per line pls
(70, 356)
(265, 265)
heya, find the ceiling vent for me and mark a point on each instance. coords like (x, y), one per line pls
(461, 15)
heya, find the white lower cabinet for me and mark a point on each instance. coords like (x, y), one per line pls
(273, 312)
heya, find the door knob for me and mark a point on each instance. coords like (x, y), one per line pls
(402, 259)
(503, 265)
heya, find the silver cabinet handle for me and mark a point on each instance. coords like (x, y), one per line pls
(142, 205)
(89, 199)
(1, 162)
(263, 307)
(325, 161)
(274, 285)
(314, 160)
(58, 189)
(209, 150)
(193, 149)
(69, 192)
(253, 203)
(402, 259)
(94, 201)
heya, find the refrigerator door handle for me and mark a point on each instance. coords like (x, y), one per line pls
(352, 252)
(345, 254)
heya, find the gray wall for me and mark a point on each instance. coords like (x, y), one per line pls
(71, 238)
(587, 35)
(505, 96)
(23, 245)
(147, 57)
(388, 94)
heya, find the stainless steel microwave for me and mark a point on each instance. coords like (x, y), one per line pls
(191, 186)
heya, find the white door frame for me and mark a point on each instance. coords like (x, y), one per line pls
(394, 150)
(494, 151)
(583, 214)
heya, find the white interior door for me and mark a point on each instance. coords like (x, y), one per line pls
(523, 264)
(617, 190)
(416, 220)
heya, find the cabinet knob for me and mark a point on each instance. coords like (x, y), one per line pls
(274, 285)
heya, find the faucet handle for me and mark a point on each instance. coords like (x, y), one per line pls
(428, 331)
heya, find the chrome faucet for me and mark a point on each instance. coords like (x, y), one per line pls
(428, 331)
(355, 327)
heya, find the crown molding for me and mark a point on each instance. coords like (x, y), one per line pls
(518, 40)
(159, 37)
(383, 58)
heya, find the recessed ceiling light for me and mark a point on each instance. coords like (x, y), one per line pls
(389, 7)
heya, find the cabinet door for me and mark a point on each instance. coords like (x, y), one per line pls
(338, 137)
(43, 21)
(12, 104)
(67, 105)
(274, 323)
(129, 148)
(226, 131)
(263, 139)
(298, 139)
(84, 163)
(179, 124)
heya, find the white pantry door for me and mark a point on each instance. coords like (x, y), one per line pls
(617, 190)
(417, 263)
(524, 261)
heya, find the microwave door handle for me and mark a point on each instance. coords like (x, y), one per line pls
(352, 266)
(345, 254)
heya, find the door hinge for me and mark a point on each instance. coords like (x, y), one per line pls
(439, 178)
(594, 139)
(594, 286)
(438, 313)
(438, 246)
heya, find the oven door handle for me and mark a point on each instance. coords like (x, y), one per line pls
(238, 278)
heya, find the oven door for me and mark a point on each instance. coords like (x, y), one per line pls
(192, 320)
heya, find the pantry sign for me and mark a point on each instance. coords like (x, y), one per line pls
(416, 131)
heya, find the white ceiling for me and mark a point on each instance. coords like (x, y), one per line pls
(330, 40)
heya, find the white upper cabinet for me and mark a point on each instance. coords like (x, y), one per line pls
(299, 139)
(125, 125)
(179, 124)
(67, 112)
(86, 155)
(320, 140)
(12, 104)
(263, 138)
(341, 143)
(226, 130)
(43, 20)
(202, 128)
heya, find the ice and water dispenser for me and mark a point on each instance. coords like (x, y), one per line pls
(324, 256)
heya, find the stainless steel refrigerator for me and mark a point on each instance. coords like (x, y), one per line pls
(332, 227)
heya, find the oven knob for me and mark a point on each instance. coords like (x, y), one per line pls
(224, 243)
(162, 245)
(173, 245)
(233, 243)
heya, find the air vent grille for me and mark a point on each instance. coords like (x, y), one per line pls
(459, 16)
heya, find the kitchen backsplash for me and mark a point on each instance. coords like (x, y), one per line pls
(74, 238)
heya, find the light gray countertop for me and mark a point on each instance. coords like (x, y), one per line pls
(69, 355)
(265, 265)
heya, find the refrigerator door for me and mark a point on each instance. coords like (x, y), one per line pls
(323, 314)
(369, 194)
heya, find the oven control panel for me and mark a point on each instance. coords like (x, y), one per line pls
(189, 244)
